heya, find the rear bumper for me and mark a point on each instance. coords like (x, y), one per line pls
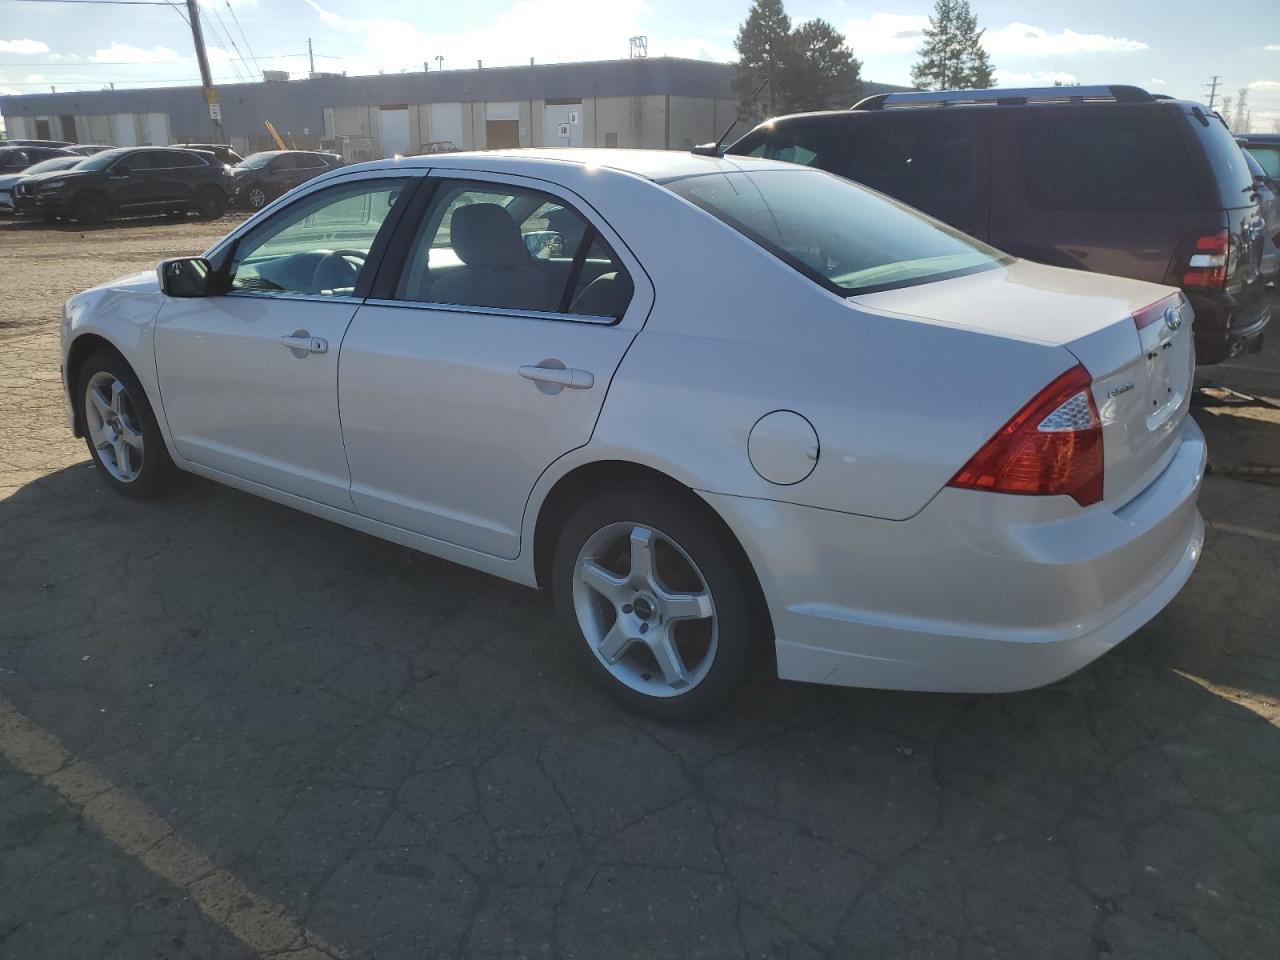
(979, 592)
(1223, 319)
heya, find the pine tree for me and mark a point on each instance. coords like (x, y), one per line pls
(824, 75)
(952, 57)
(764, 53)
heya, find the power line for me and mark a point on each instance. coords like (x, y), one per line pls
(236, 20)
(117, 3)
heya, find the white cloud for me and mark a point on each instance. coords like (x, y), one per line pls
(1155, 82)
(1023, 39)
(1265, 85)
(1272, 47)
(694, 49)
(327, 17)
(886, 33)
(1033, 78)
(124, 53)
(23, 46)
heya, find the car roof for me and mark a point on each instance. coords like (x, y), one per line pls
(656, 165)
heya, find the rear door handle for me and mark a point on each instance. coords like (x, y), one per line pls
(559, 377)
(303, 342)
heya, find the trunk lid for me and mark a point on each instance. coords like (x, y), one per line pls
(1142, 378)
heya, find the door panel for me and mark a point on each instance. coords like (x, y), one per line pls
(444, 435)
(240, 401)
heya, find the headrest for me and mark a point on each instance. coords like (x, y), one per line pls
(484, 235)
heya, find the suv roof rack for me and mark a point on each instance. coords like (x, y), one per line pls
(996, 96)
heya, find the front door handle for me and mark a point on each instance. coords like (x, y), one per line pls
(302, 342)
(558, 377)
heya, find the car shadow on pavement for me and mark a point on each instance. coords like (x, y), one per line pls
(404, 753)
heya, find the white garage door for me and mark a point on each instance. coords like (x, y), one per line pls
(446, 123)
(394, 130)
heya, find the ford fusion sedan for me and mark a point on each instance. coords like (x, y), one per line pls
(736, 416)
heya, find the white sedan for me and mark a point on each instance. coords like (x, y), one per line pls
(734, 414)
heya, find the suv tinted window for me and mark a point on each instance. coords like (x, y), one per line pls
(926, 162)
(1268, 158)
(1107, 161)
(1235, 182)
(812, 143)
(307, 161)
(136, 162)
(170, 159)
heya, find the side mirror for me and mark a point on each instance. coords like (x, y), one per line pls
(544, 244)
(185, 277)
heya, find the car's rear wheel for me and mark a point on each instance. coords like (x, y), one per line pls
(120, 428)
(256, 197)
(90, 208)
(658, 606)
(211, 203)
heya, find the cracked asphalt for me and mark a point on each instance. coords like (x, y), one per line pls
(399, 757)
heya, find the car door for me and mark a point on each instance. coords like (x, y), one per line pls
(130, 180)
(484, 357)
(176, 176)
(937, 162)
(249, 379)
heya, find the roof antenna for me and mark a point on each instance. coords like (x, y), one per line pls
(716, 149)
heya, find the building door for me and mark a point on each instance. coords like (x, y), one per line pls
(501, 134)
(562, 125)
(126, 133)
(42, 130)
(446, 124)
(393, 127)
(157, 129)
(69, 129)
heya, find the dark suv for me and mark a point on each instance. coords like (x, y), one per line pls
(261, 177)
(128, 181)
(1107, 179)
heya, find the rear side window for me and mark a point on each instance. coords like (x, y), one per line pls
(812, 143)
(927, 163)
(1117, 160)
(308, 161)
(171, 159)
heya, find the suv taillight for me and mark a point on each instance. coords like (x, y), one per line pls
(1053, 445)
(1210, 262)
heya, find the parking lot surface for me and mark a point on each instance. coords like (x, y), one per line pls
(231, 730)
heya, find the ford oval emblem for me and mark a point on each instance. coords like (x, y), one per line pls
(1172, 318)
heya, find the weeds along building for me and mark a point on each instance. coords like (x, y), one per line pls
(660, 102)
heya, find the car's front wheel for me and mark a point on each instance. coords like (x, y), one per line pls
(658, 604)
(120, 428)
(211, 203)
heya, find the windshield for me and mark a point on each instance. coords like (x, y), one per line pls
(56, 163)
(846, 237)
(100, 161)
(255, 161)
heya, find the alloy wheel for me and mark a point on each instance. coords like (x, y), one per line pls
(645, 610)
(257, 198)
(114, 427)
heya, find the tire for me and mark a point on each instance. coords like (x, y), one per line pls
(255, 198)
(715, 655)
(90, 208)
(211, 203)
(148, 469)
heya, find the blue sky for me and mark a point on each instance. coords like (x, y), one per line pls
(1169, 46)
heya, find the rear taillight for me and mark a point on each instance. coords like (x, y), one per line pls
(1210, 262)
(1053, 445)
(1156, 311)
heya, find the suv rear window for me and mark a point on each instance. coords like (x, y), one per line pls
(841, 235)
(810, 143)
(1106, 161)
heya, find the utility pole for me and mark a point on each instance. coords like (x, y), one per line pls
(1213, 90)
(439, 63)
(206, 78)
(311, 55)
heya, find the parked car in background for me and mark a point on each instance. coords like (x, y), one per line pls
(89, 149)
(437, 146)
(1106, 179)
(1269, 200)
(34, 143)
(9, 181)
(842, 438)
(128, 181)
(223, 152)
(261, 177)
(1265, 148)
(17, 159)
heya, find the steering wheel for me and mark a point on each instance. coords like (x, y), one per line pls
(337, 270)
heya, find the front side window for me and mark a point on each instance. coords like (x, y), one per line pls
(841, 235)
(493, 245)
(134, 163)
(255, 161)
(319, 244)
(809, 143)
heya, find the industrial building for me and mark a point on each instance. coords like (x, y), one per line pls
(659, 102)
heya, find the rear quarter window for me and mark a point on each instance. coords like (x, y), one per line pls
(1112, 160)
(810, 143)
